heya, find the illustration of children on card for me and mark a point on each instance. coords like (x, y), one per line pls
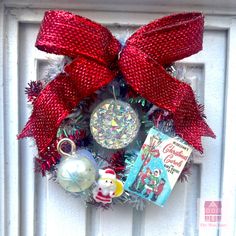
(142, 179)
(151, 183)
(158, 190)
(148, 177)
(154, 180)
(147, 152)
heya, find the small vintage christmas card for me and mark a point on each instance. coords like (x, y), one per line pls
(158, 166)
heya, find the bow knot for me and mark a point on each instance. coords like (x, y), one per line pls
(97, 59)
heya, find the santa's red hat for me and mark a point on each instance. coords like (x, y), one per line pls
(108, 173)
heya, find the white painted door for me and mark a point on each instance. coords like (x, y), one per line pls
(37, 206)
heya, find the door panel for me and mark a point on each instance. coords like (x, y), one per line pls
(45, 209)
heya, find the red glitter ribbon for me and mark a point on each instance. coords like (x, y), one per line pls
(95, 53)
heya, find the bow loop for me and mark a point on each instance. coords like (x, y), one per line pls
(170, 38)
(71, 35)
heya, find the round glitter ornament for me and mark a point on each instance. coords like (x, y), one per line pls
(114, 124)
(77, 172)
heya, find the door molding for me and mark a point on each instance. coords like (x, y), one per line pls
(209, 7)
(12, 17)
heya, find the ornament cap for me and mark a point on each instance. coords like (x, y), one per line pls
(59, 147)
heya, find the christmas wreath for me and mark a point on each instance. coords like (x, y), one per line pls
(111, 121)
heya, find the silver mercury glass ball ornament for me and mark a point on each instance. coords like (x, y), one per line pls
(77, 171)
(114, 124)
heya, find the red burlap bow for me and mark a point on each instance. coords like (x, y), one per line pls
(95, 51)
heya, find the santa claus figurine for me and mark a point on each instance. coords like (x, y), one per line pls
(108, 186)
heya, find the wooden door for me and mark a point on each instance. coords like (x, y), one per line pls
(37, 206)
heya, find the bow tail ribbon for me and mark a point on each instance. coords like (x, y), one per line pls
(166, 92)
(61, 96)
(94, 52)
